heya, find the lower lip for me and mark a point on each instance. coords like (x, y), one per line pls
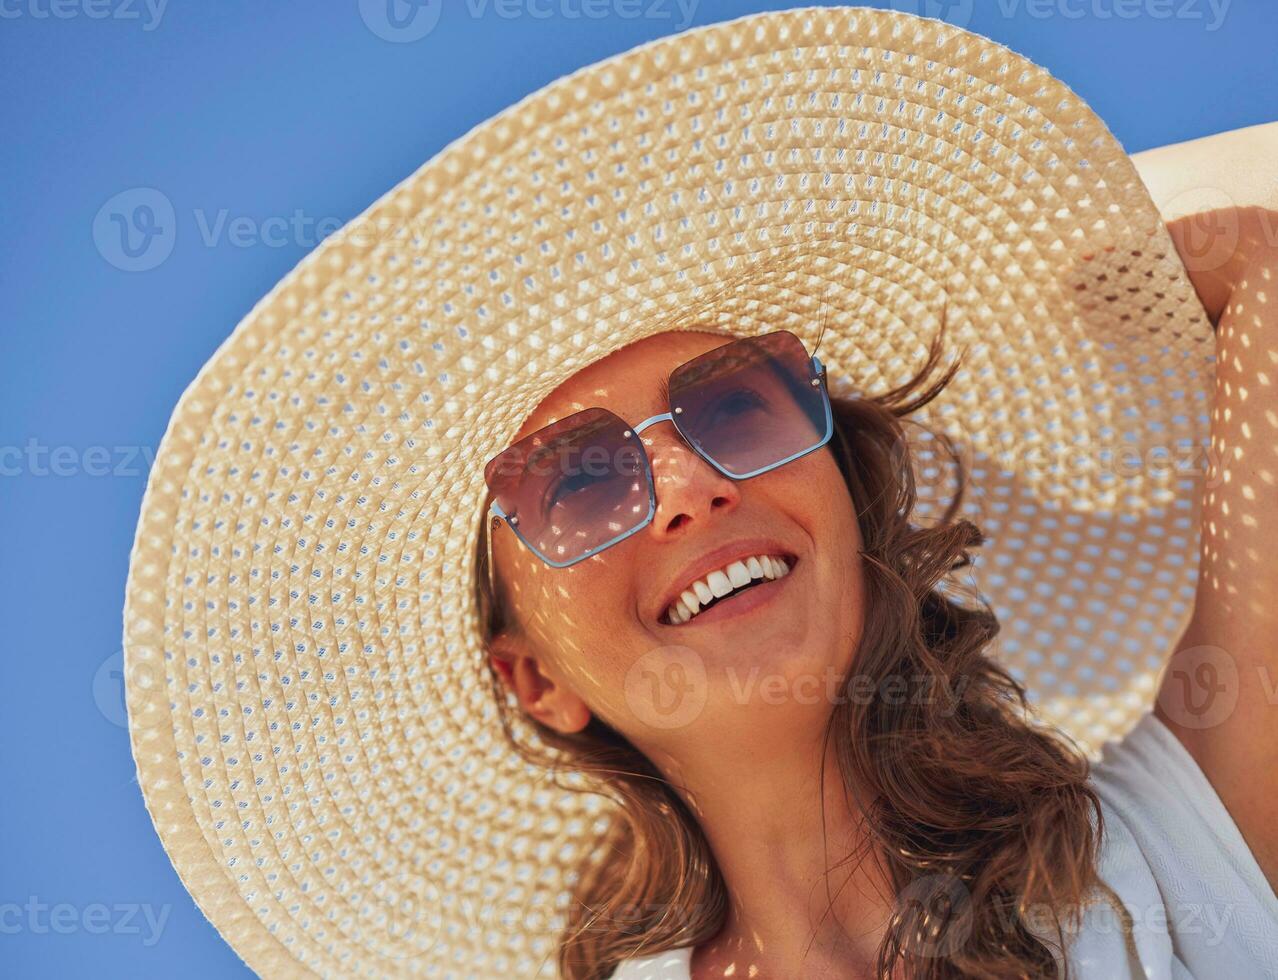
(743, 602)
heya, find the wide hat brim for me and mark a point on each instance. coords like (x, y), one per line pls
(312, 726)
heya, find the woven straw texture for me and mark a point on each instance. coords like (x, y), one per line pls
(313, 736)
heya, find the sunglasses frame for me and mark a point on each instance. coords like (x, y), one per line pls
(496, 515)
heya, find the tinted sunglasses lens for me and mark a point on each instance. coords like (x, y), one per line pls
(751, 403)
(574, 485)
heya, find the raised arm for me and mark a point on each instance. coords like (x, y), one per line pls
(1219, 691)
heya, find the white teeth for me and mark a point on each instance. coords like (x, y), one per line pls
(721, 582)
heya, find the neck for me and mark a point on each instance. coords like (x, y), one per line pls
(807, 896)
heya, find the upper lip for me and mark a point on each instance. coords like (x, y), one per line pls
(703, 565)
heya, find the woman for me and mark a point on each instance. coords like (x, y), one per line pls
(776, 836)
(778, 734)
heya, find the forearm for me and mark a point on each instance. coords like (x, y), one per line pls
(1238, 581)
(1220, 693)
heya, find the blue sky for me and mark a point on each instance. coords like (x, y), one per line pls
(263, 126)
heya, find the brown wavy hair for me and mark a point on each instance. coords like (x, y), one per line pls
(983, 820)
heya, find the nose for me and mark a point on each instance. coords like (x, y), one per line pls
(688, 488)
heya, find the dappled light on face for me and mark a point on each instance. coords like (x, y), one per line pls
(540, 591)
(583, 477)
(545, 597)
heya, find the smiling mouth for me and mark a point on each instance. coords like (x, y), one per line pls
(758, 576)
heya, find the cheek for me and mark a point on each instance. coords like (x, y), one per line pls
(818, 498)
(613, 663)
(837, 502)
(813, 490)
(584, 618)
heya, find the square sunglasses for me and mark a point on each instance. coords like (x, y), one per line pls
(584, 483)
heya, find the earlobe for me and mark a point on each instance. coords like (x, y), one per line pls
(573, 715)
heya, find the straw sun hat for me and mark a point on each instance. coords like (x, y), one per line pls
(313, 730)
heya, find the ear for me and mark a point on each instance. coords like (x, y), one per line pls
(544, 698)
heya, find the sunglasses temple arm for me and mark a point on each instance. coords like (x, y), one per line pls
(489, 520)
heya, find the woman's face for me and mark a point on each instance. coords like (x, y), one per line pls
(594, 637)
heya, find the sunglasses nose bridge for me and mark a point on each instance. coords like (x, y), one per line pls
(652, 420)
(675, 437)
(682, 478)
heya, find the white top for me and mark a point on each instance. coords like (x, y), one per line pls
(1199, 905)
